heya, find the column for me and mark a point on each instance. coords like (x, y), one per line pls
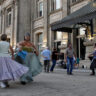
(45, 36)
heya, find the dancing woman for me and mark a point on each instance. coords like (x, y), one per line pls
(28, 55)
(9, 69)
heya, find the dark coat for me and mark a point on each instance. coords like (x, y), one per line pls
(93, 64)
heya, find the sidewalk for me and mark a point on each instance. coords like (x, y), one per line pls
(75, 70)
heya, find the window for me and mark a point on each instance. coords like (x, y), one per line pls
(40, 9)
(8, 17)
(73, 1)
(58, 4)
(55, 4)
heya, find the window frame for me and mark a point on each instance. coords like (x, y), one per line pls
(39, 10)
(8, 16)
(54, 5)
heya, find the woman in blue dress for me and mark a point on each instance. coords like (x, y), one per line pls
(28, 56)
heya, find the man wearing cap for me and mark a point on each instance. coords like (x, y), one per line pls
(46, 53)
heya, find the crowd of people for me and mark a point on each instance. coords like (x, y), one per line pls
(25, 64)
(70, 59)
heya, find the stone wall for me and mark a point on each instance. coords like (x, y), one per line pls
(24, 18)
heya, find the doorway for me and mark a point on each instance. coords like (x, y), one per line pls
(81, 48)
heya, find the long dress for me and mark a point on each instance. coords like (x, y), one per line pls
(31, 61)
(9, 69)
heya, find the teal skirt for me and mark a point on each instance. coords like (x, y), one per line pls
(33, 63)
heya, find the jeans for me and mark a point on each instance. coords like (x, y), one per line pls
(53, 65)
(70, 63)
(46, 65)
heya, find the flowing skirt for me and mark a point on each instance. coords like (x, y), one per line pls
(33, 63)
(10, 69)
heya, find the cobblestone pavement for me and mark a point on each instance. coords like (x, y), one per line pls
(55, 84)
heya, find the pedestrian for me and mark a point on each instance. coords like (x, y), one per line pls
(46, 53)
(69, 58)
(28, 54)
(9, 69)
(93, 63)
(54, 58)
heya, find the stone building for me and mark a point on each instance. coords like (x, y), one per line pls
(81, 21)
(46, 13)
(15, 19)
(79, 39)
(36, 17)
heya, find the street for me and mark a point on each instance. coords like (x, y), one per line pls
(55, 84)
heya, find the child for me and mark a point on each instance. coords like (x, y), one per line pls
(9, 69)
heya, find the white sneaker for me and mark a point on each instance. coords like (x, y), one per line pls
(2, 85)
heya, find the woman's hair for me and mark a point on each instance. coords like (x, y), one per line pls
(26, 34)
(3, 37)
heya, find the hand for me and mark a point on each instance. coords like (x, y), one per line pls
(12, 57)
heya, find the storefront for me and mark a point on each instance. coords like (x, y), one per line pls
(82, 24)
(60, 39)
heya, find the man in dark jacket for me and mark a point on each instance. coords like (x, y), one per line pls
(54, 58)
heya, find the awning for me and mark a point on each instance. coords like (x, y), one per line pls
(87, 12)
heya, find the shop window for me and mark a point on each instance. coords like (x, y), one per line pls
(61, 36)
(8, 17)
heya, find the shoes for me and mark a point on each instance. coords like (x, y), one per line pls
(69, 73)
(3, 85)
(92, 74)
(7, 85)
(23, 83)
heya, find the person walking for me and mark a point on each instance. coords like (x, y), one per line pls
(54, 58)
(69, 58)
(9, 69)
(46, 53)
(93, 63)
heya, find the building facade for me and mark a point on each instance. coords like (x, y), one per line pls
(46, 13)
(34, 16)
(15, 19)
(83, 42)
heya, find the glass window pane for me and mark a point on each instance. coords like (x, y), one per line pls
(41, 9)
(58, 4)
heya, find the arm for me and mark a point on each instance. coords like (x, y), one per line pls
(65, 55)
(74, 55)
(11, 49)
(90, 55)
(21, 43)
(37, 53)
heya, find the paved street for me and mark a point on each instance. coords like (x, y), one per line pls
(55, 84)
